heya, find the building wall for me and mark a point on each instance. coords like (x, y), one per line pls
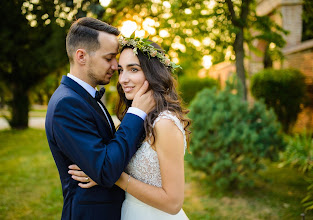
(302, 60)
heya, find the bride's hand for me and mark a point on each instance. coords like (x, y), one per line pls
(79, 175)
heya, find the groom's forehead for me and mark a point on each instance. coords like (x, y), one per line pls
(109, 42)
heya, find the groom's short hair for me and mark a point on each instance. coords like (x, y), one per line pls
(84, 34)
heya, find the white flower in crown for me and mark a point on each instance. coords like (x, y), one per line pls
(124, 42)
(144, 45)
(153, 53)
(135, 50)
(132, 42)
(167, 62)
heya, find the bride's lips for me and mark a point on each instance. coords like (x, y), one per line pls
(128, 88)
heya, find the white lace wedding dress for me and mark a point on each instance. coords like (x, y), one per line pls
(144, 166)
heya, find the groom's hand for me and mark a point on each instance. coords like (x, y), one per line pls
(144, 99)
(80, 176)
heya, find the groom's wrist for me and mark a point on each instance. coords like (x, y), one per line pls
(138, 112)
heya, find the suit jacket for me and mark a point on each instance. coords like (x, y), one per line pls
(78, 133)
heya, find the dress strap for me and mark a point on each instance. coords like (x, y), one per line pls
(172, 117)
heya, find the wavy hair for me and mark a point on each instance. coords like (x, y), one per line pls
(165, 95)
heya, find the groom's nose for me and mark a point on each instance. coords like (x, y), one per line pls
(114, 64)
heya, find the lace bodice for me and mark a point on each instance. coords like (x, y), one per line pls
(144, 165)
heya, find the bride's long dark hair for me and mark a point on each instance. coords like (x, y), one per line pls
(163, 85)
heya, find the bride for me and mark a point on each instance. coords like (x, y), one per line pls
(154, 178)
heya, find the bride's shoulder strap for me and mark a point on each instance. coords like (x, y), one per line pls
(171, 116)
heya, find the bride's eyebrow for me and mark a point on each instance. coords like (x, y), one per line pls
(129, 65)
(133, 64)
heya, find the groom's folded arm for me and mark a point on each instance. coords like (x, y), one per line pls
(77, 135)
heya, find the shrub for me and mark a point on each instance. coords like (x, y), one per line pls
(308, 199)
(189, 86)
(283, 90)
(299, 152)
(229, 137)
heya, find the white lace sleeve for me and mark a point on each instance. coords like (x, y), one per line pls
(178, 123)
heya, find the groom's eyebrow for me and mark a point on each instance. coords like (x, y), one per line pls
(113, 54)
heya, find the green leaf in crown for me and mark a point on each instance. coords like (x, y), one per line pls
(144, 45)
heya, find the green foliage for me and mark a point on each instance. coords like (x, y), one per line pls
(32, 36)
(189, 86)
(229, 136)
(111, 98)
(42, 93)
(37, 49)
(283, 90)
(307, 15)
(308, 199)
(299, 152)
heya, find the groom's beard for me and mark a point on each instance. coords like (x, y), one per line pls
(92, 76)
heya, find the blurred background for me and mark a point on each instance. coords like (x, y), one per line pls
(246, 77)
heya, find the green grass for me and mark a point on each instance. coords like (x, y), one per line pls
(277, 195)
(30, 187)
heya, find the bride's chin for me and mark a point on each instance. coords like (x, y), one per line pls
(129, 99)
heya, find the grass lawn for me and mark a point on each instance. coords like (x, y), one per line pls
(30, 187)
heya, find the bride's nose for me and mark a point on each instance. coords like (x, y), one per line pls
(123, 78)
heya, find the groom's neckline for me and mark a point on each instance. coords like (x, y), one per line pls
(86, 86)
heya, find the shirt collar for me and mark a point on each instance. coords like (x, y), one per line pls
(86, 86)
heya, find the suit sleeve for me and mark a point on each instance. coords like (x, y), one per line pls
(77, 136)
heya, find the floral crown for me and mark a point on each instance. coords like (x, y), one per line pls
(144, 45)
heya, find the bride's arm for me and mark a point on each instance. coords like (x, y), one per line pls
(170, 149)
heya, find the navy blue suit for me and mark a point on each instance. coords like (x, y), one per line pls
(78, 133)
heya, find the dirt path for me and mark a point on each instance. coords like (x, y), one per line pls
(39, 122)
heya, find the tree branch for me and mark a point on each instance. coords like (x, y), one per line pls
(232, 12)
(245, 9)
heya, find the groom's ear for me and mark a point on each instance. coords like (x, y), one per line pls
(81, 56)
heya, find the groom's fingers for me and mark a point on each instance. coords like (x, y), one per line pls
(87, 185)
(77, 173)
(81, 179)
(73, 167)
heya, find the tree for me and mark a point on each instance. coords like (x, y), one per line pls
(238, 21)
(192, 29)
(32, 48)
(215, 28)
(32, 36)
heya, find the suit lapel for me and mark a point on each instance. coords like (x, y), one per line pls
(109, 116)
(85, 95)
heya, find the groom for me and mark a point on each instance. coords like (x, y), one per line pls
(80, 130)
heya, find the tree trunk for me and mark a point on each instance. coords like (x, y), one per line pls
(267, 60)
(240, 54)
(19, 106)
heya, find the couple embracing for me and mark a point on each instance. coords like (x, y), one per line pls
(134, 172)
